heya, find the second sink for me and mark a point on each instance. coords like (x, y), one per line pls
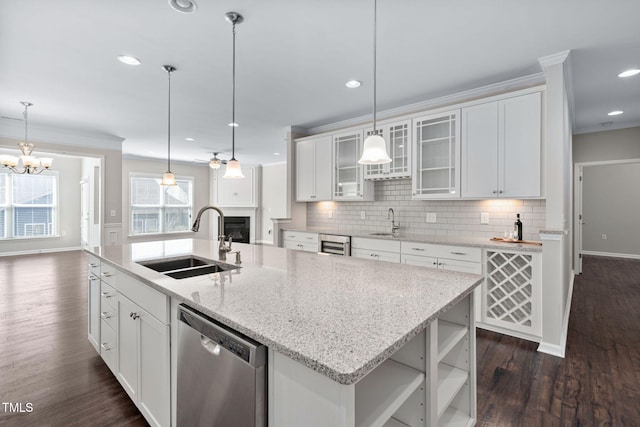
(186, 266)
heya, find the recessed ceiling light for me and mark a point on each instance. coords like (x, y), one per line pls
(351, 84)
(235, 125)
(183, 6)
(129, 60)
(276, 154)
(629, 73)
(189, 139)
(616, 113)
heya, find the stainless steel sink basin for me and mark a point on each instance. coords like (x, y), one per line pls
(186, 266)
(380, 234)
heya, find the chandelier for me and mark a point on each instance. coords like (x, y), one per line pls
(30, 164)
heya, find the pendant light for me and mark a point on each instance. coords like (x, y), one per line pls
(30, 164)
(233, 170)
(168, 178)
(375, 148)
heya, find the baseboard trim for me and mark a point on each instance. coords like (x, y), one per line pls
(505, 331)
(611, 254)
(40, 251)
(559, 350)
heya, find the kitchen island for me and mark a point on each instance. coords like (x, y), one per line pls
(351, 342)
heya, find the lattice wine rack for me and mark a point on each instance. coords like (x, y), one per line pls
(510, 295)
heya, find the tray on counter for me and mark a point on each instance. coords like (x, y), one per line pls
(523, 242)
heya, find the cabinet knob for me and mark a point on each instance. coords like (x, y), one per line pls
(106, 294)
(494, 192)
(92, 265)
(434, 263)
(133, 315)
(107, 274)
(313, 197)
(235, 194)
(500, 191)
(105, 315)
(93, 278)
(458, 253)
(105, 347)
(418, 249)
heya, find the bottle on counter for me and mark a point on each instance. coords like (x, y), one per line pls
(517, 227)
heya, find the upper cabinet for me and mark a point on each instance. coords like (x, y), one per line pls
(501, 148)
(236, 192)
(398, 138)
(348, 174)
(436, 163)
(313, 170)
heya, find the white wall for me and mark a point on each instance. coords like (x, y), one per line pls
(91, 171)
(201, 189)
(68, 212)
(608, 145)
(273, 203)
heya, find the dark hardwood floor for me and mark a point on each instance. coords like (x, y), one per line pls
(598, 381)
(46, 359)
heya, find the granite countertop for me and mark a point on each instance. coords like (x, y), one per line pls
(340, 316)
(480, 242)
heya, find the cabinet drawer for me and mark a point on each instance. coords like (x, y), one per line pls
(462, 266)
(300, 246)
(460, 253)
(108, 298)
(109, 315)
(376, 255)
(154, 302)
(109, 274)
(419, 260)
(94, 265)
(301, 237)
(108, 346)
(376, 245)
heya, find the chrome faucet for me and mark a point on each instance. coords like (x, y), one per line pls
(222, 248)
(395, 227)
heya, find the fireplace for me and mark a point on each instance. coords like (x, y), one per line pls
(237, 227)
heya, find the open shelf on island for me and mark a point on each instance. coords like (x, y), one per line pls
(449, 334)
(394, 423)
(450, 381)
(383, 391)
(455, 418)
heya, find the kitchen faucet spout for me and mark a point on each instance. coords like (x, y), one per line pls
(196, 226)
(395, 227)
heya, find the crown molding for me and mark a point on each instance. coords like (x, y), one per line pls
(601, 128)
(14, 129)
(554, 59)
(480, 92)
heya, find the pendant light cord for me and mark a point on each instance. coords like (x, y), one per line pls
(169, 124)
(375, 19)
(233, 96)
(26, 122)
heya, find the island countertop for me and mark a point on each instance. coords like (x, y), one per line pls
(340, 316)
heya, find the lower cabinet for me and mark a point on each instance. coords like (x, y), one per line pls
(431, 381)
(93, 312)
(301, 241)
(443, 257)
(511, 296)
(376, 249)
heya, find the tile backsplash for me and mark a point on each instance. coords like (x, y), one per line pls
(453, 217)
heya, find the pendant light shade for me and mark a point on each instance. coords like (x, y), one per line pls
(168, 178)
(374, 150)
(233, 170)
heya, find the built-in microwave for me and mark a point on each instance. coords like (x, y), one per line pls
(335, 244)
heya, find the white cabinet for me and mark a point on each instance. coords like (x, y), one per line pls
(93, 294)
(348, 174)
(430, 381)
(436, 160)
(397, 136)
(511, 294)
(376, 249)
(444, 257)
(301, 241)
(313, 170)
(501, 148)
(233, 193)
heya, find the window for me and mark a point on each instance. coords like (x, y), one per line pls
(28, 205)
(156, 209)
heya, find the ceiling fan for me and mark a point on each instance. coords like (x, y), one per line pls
(214, 162)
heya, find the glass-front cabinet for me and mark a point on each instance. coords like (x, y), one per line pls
(436, 164)
(398, 138)
(348, 180)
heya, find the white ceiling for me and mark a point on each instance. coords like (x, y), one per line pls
(293, 58)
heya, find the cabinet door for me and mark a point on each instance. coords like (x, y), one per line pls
(305, 171)
(520, 146)
(235, 192)
(94, 311)
(398, 140)
(422, 261)
(480, 151)
(154, 369)
(436, 164)
(348, 173)
(323, 172)
(128, 347)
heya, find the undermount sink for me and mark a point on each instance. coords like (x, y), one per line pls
(187, 266)
(381, 234)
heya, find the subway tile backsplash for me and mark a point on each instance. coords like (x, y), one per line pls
(453, 217)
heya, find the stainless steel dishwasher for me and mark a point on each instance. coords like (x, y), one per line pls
(221, 374)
